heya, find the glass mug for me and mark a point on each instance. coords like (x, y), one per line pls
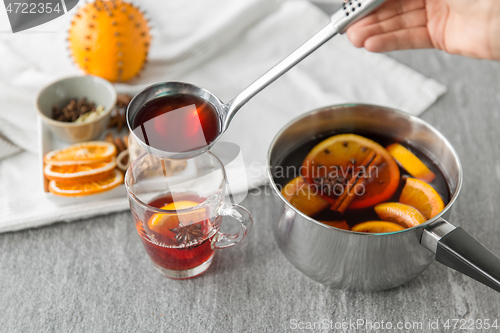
(178, 207)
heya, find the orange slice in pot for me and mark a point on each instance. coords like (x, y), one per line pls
(338, 224)
(422, 196)
(377, 227)
(82, 153)
(399, 213)
(304, 197)
(411, 163)
(334, 161)
(163, 223)
(79, 173)
(87, 188)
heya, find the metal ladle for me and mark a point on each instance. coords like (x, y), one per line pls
(351, 11)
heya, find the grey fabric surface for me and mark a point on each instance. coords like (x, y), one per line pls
(94, 275)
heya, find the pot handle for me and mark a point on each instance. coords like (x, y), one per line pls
(456, 248)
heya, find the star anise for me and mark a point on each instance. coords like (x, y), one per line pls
(188, 233)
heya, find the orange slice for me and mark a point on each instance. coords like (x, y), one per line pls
(410, 162)
(399, 213)
(334, 161)
(304, 197)
(422, 196)
(82, 153)
(178, 205)
(163, 223)
(88, 188)
(338, 224)
(79, 173)
(377, 227)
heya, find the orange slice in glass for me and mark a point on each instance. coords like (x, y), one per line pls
(411, 163)
(82, 153)
(335, 160)
(163, 223)
(87, 188)
(79, 173)
(377, 227)
(304, 197)
(422, 196)
(338, 224)
(399, 213)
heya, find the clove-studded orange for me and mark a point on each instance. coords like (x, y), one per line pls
(109, 39)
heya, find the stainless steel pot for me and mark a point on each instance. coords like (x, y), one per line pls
(361, 261)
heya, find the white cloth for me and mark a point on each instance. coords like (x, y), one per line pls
(7, 149)
(220, 45)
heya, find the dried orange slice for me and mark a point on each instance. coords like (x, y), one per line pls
(79, 173)
(82, 153)
(410, 162)
(422, 196)
(88, 188)
(304, 197)
(337, 159)
(338, 224)
(163, 223)
(377, 227)
(399, 213)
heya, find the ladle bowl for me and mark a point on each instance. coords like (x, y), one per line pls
(173, 88)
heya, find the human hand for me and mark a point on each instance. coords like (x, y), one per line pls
(466, 27)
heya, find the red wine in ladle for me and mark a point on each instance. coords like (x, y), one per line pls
(177, 123)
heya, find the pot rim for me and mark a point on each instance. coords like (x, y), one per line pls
(411, 118)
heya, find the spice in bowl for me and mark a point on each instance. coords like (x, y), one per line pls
(77, 111)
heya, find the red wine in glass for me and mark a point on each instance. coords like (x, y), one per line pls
(177, 123)
(163, 247)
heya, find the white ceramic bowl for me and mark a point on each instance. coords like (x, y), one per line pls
(60, 92)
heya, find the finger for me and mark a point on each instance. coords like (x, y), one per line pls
(413, 19)
(389, 10)
(412, 38)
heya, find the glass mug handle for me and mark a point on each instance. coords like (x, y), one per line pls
(240, 214)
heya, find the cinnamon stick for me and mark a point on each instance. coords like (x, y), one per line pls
(349, 193)
(119, 145)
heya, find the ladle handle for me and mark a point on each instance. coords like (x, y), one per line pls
(350, 12)
(459, 250)
(281, 68)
